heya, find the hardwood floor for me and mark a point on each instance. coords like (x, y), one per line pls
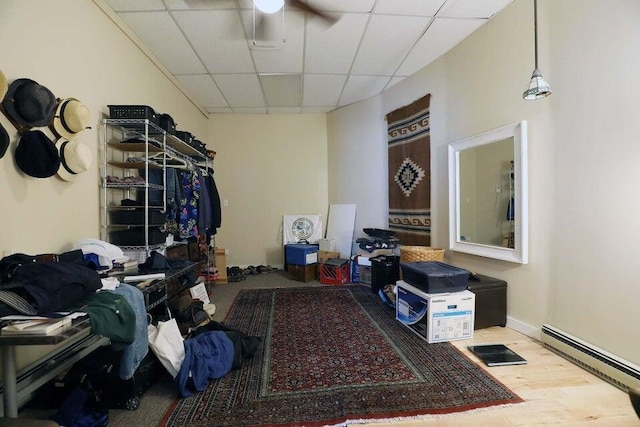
(556, 392)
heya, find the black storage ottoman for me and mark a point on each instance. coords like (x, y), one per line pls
(491, 301)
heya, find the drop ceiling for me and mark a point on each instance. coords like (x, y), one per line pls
(297, 63)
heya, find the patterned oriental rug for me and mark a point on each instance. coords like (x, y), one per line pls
(333, 354)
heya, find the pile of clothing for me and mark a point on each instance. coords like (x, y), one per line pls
(377, 239)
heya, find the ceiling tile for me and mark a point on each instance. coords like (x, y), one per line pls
(360, 6)
(331, 50)
(282, 90)
(386, 42)
(409, 7)
(218, 39)
(322, 90)
(317, 110)
(198, 4)
(271, 54)
(362, 87)
(207, 45)
(250, 110)
(240, 90)
(442, 36)
(204, 89)
(128, 5)
(168, 45)
(472, 8)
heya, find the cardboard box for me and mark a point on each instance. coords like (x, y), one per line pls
(301, 254)
(303, 273)
(328, 245)
(324, 256)
(435, 317)
(218, 256)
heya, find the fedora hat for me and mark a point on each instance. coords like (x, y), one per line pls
(3, 85)
(71, 118)
(75, 158)
(36, 155)
(4, 141)
(29, 103)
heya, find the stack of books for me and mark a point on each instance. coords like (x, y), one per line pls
(37, 326)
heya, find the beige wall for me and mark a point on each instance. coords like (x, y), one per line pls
(583, 148)
(75, 50)
(267, 166)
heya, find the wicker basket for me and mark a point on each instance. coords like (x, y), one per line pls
(420, 253)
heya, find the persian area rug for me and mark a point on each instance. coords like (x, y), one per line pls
(409, 144)
(331, 355)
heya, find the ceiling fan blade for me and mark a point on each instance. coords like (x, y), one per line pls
(306, 7)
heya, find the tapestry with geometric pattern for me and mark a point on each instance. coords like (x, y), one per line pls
(410, 173)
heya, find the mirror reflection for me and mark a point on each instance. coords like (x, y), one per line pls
(487, 194)
(488, 201)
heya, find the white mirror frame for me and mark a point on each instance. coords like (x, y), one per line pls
(518, 254)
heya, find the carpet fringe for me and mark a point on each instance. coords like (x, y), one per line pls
(420, 417)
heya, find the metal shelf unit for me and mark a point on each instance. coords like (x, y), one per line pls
(152, 140)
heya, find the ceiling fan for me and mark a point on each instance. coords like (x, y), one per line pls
(269, 7)
(273, 6)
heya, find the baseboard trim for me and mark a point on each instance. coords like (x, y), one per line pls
(523, 328)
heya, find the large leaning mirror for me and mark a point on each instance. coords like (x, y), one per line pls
(488, 194)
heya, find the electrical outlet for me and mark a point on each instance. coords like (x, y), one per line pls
(225, 203)
(498, 189)
(226, 251)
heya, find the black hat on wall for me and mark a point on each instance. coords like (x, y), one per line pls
(4, 136)
(36, 155)
(29, 103)
(4, 141)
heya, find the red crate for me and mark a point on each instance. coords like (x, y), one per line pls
(333, 274)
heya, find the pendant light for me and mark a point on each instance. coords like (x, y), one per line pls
(269, 6)
(538, 86)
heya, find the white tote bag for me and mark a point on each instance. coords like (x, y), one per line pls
(167, 343)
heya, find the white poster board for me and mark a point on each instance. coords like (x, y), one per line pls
(297, 228)
(340, 226)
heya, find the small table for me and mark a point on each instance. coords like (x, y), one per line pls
(74, 343)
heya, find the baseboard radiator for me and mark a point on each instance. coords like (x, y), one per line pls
(613, 369)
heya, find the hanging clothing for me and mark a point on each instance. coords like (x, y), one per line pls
(216, 210)
(204, 205)
(188, 221)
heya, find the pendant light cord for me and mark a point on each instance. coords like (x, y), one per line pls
(535, 29)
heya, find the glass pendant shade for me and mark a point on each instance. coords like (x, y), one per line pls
(269, 6)
(538, 87)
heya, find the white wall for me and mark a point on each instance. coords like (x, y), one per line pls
(583, 145)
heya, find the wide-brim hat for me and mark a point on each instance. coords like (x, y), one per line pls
(4, 141)
(29, 103)
(75, 158)
(3, 85)
(36, 155)
(71, 118)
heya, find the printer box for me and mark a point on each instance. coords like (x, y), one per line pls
(435, 317)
